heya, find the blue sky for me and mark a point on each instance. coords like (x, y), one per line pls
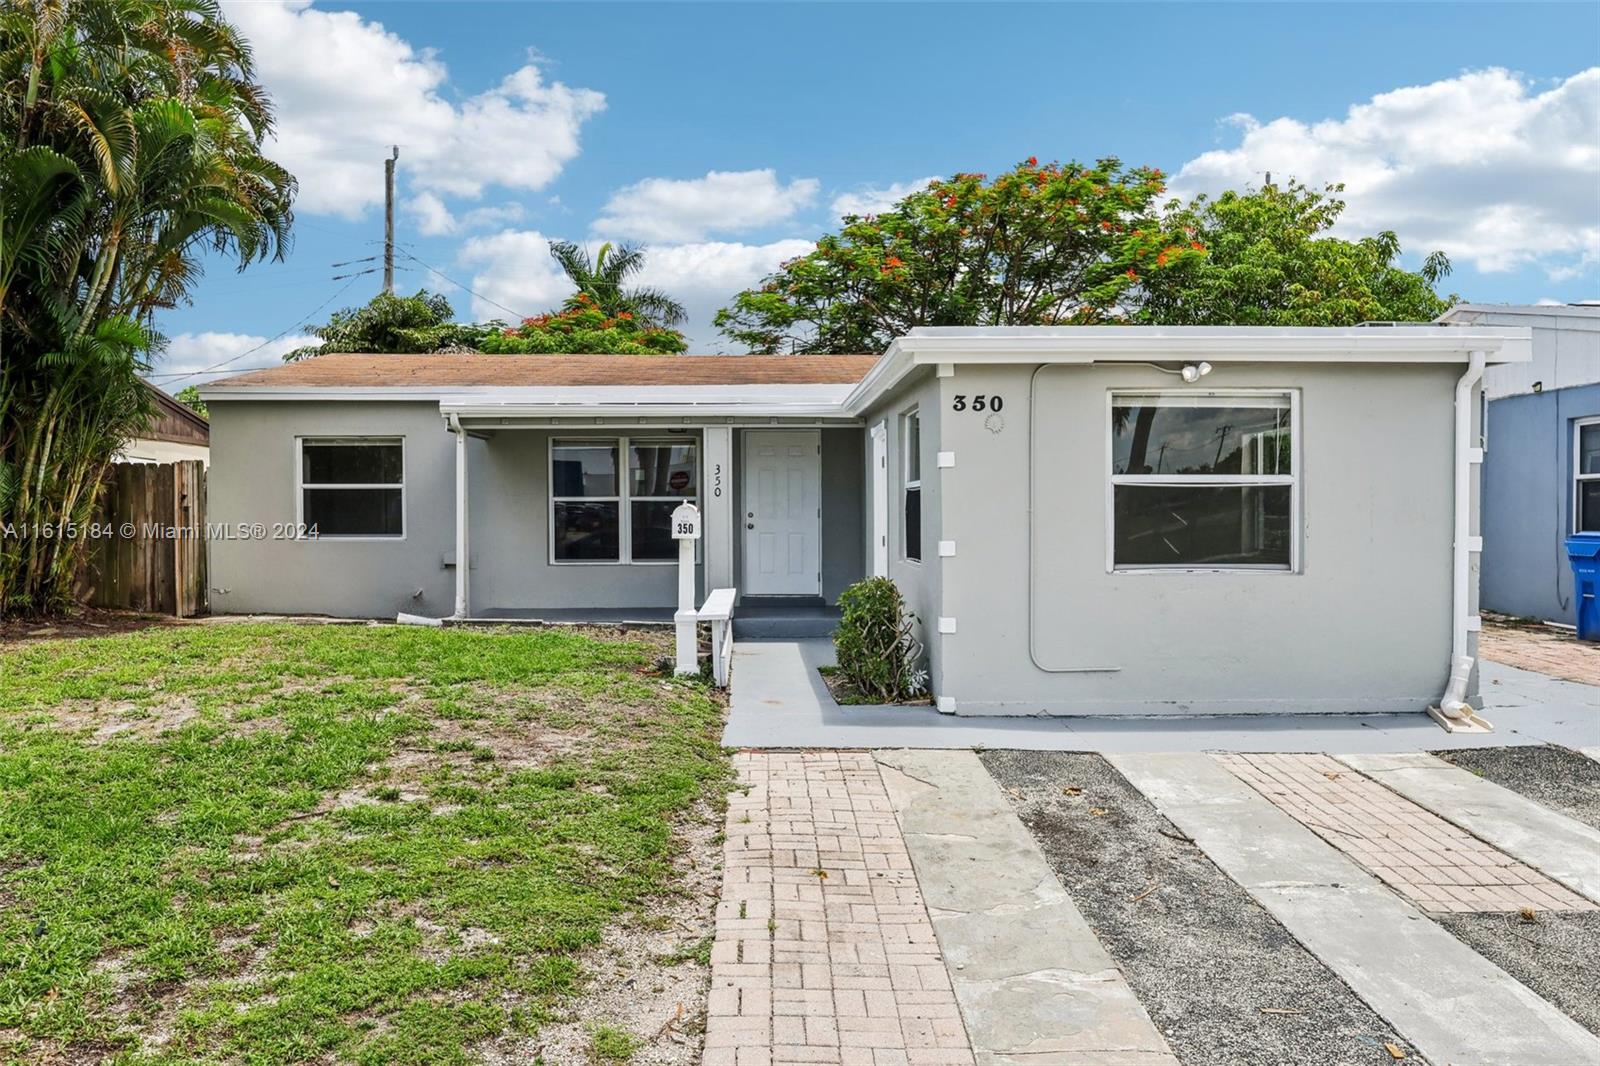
(724, 136)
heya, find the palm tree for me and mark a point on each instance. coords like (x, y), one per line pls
(601, 280)
(130, 143)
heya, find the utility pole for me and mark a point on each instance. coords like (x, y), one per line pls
(388, 220)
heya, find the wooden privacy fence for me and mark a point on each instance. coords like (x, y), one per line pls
(149, 551)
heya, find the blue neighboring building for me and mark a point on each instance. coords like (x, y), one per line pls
(1541, 466)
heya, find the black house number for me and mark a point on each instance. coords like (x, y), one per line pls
(980, 402)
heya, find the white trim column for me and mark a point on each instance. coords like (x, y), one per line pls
(463, 549)
(718, 507)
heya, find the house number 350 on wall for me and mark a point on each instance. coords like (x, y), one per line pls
(980, 402)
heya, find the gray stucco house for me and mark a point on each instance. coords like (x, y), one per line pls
(1541, 472)
(1085, 520)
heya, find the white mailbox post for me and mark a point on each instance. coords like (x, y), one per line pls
(686, 530)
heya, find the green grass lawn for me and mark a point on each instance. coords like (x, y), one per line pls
(281, 843)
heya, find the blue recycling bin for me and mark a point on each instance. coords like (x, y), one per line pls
(1584, 555)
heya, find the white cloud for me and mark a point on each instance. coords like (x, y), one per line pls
(189, 353)
(345, 89)
(435, 219)
(1482, 166)
(872, 199)
(514, 268)
(705, 276)
(673, 210)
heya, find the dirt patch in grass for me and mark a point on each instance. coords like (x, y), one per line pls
(651, 973)
(90, 622)
(105, 720)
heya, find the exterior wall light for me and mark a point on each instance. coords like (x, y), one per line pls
(1193, 372)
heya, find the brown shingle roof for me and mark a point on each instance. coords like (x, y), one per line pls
(455, 371)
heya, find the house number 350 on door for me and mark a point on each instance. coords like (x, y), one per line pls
(980, 402)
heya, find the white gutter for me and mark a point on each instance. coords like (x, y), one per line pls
(463, 556)
(1454, 713)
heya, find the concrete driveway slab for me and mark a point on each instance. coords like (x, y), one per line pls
(1035, 985)
(1453, 1005)
(1562, 848)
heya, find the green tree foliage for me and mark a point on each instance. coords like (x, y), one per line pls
(1042, 244)
(130, 143)
(189, 396)
(390, 324)
(602, 280)
(1271, 262)
(582, 328)
(1069, 244)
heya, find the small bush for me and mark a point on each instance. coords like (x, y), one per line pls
(874, 645)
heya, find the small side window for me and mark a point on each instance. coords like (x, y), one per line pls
(911, 447)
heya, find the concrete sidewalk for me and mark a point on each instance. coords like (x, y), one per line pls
(780, 701)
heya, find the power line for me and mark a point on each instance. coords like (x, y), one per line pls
(251, 351)
(435, 270)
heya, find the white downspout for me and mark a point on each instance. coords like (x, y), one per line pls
(463, 556)
(1454, 712)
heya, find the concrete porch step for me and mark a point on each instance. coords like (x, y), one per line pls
(798, 619)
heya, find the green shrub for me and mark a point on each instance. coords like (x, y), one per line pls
(874, 645)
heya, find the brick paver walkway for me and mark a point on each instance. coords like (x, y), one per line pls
(1544, 649)
(1427, 860)
(824, 952)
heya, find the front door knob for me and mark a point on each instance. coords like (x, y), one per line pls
(749, 525)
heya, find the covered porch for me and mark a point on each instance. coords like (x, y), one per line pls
(564, 518)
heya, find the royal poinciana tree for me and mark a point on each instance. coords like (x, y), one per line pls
(1042, 244)
(131, 137)
(1053, 244)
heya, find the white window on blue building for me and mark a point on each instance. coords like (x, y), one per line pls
(1586, 476)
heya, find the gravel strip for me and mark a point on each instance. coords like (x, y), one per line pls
(1560, 778)
(1558, 955)
(1223, 981)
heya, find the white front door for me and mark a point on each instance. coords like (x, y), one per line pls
(880, 500)
(782, 512)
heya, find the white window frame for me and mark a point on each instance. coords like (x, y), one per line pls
(907, 483)
(300, 486)
(1223, 397)
(1578, 476)
(623, 499)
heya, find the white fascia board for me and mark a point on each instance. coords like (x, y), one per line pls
(483, 400)
(1254, 344)
(1468, 313)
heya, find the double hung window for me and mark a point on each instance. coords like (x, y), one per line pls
(1203, 481)
(611, 498)
(352, 486)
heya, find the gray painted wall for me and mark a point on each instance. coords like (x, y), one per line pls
(1527, 512)
(1364, 625)
(252, 480)
(510, 535)
(920, 582)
